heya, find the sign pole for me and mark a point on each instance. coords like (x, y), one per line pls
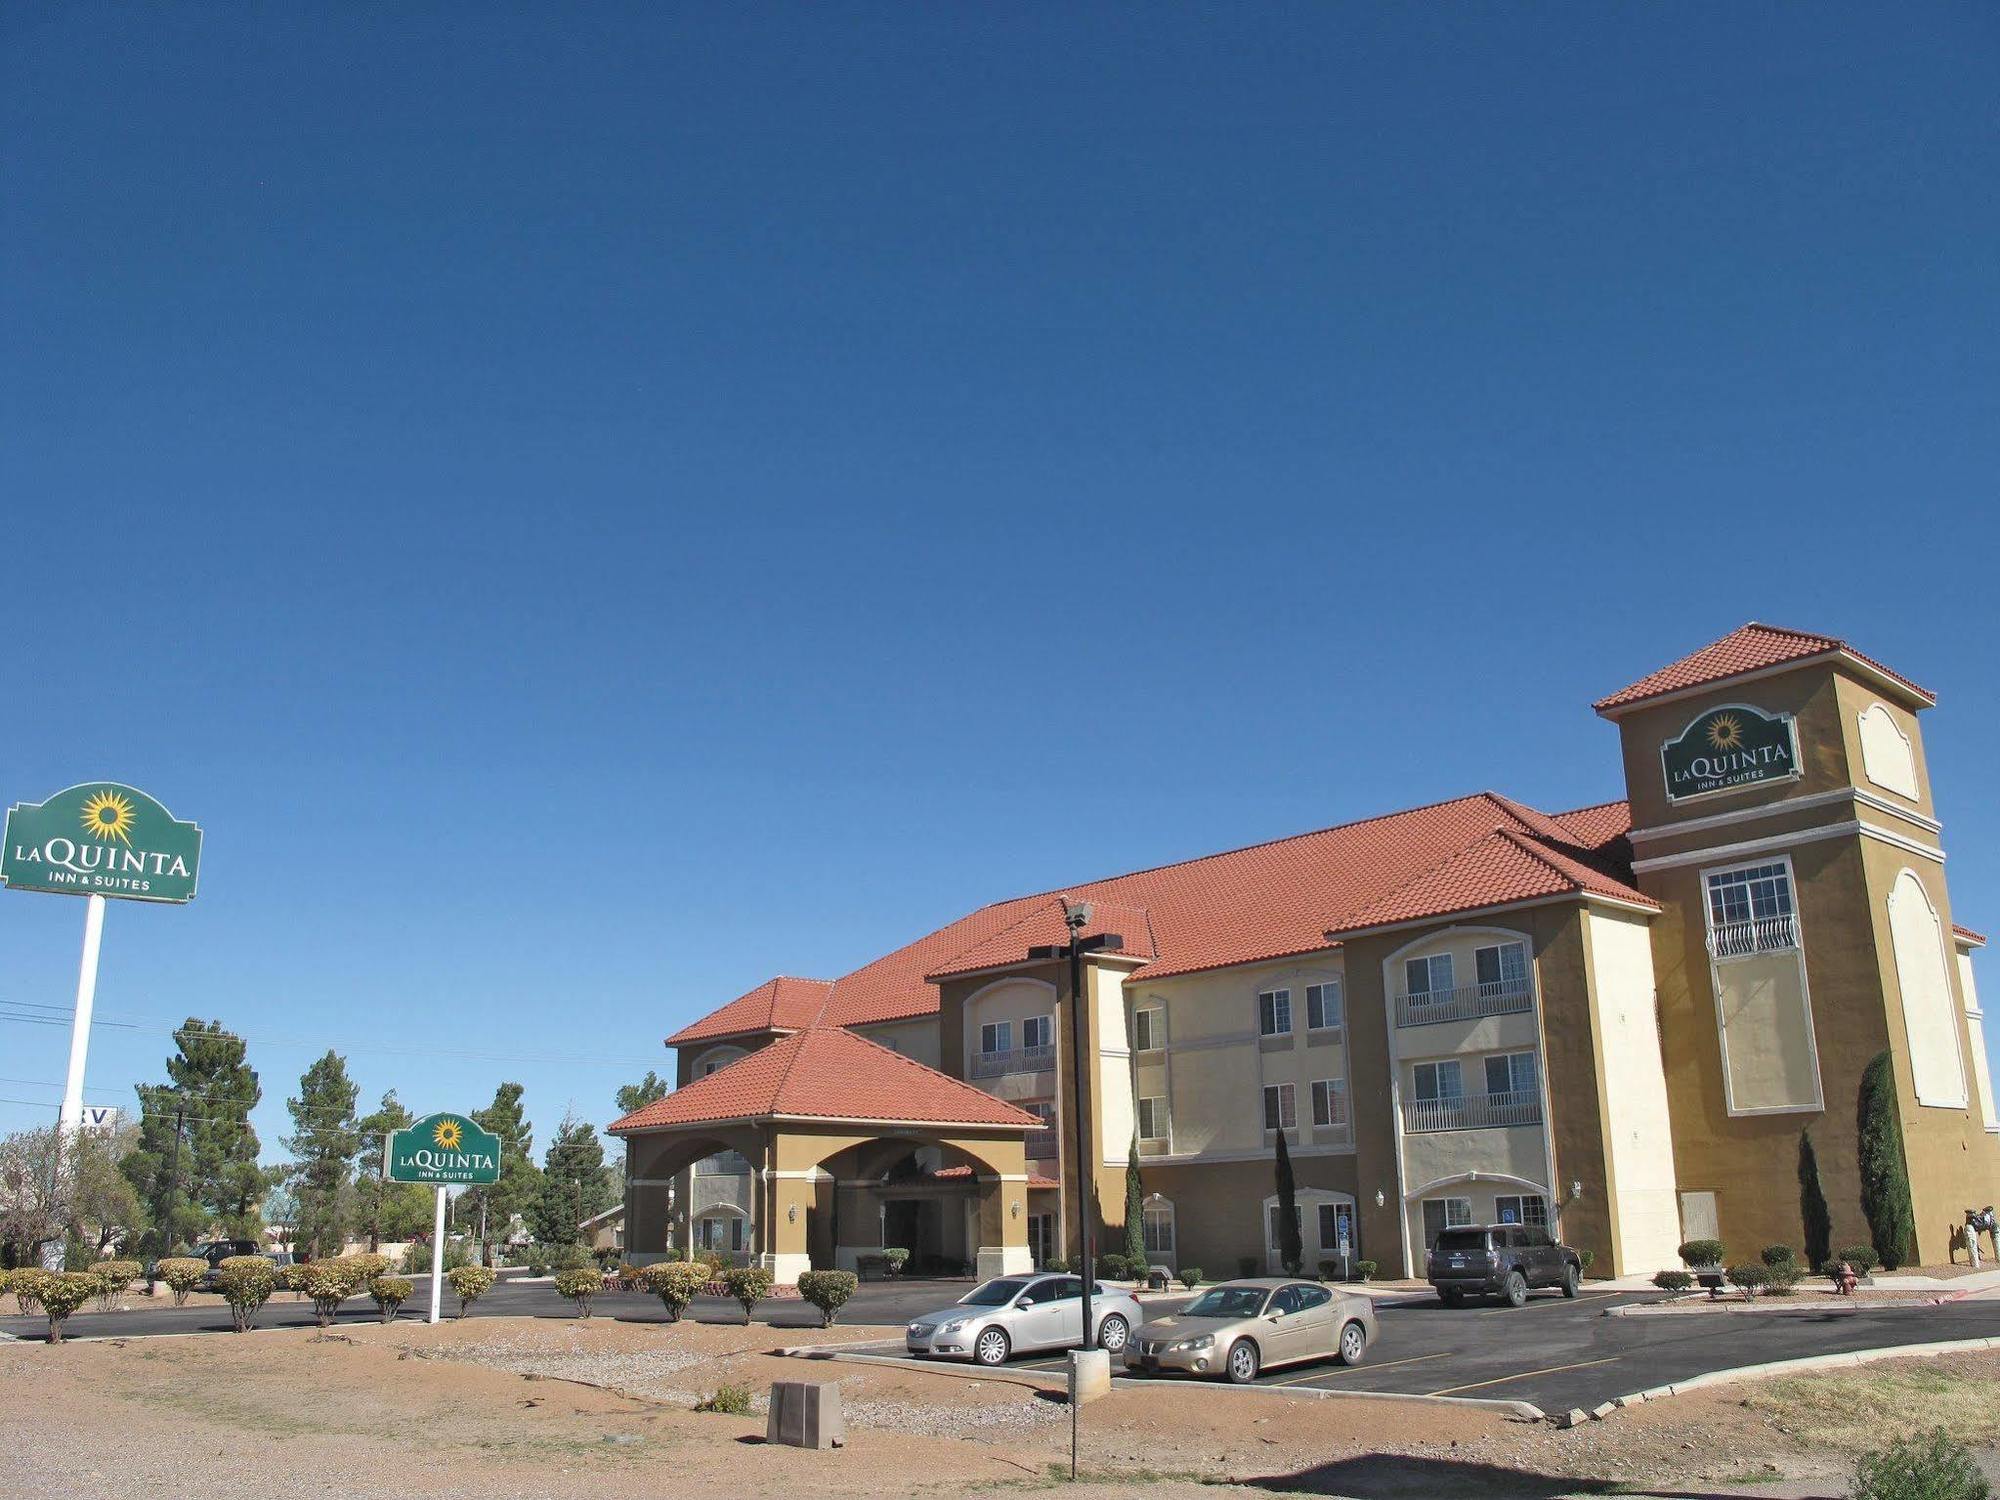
(437, 1256)
(86, 1000)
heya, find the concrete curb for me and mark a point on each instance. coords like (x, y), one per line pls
(1759, 1309)
(1021, 1378)
(1848, 1359)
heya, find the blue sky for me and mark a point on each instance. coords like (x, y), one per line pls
(592, 508)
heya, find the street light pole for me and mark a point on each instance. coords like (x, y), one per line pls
(1077, 918)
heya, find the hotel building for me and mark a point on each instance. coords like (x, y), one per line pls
(1614, 1020)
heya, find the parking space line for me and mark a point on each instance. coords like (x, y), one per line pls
(1480, 1385)
(1414, 1359)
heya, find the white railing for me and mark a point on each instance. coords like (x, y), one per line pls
(1758, 935)
(1040, 1145)
(1466, 1003)
(1020, 1060)
(1478, 1112)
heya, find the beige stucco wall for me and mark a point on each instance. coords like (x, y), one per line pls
(1975, 1024)
(1767, 1032)
(915, 1039)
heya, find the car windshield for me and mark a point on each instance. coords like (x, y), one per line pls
(1228, 1302)
(1461, 1240)
(993, 1294)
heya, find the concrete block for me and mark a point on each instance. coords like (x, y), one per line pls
(1574, 1417)
(805, 1414)
(1598, 1414)
(1089, 1375)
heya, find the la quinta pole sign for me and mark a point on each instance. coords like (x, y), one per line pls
(99, 839)
(443, 1150)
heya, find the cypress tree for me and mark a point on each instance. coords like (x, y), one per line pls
(1135, 1214)
(1885, 1177)
(1813, 1212)
(1291, 1250)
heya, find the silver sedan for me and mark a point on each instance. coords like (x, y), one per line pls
(1014, 1314)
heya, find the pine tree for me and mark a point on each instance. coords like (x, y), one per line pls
(574, 1187)
(214, 1173)
(520, 1179)
(1291, 1249)
(324, 1142)
(1813, 1211)
(388, 1210)
(1885, 1177)
(638, 1095)
(1135, 1214)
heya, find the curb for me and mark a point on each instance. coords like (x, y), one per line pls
(1783, 1309)
(1519, 1410)
(1021, 1378)
(1799, 1366)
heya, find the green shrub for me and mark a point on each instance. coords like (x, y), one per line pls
(1673, 1281)
(1885, 1176)
(1779, 1255)
(113, 1277)
(1113, 1266)
(328, 1283)
(1056, 1263)
(747, 1284)
(1702, 1253)
(471, 1283)
(729, 1400)
(676, 1283)
(1861, 1257)
(1814, 1216)
(897, 1257)
(182, 1274)
(390, 1293)
(1751, 1278)
(62, 1295)
(26, 1285)
(1782, 1279)
(1925, 1466)
(292, 1278)
(580, 1284)
(246, 1283)
(1190, 1277)
(828, 1291)
(1364, 1270)
(1588, 1258)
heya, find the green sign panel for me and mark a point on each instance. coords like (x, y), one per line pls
(101, 839)
(1727, 749)
(444, 1148)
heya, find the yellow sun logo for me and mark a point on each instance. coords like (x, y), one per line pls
(107, 816)
(449, 1135)
(1725, 732)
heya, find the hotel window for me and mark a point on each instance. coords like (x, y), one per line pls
(1158, 1216)
(1511, 1073)
(1330, 1102)
(1501, 969)
(996, 1036)
(1439, 1080)
(1149, 1029)
(1325, 1009)
(1441, 1214)
(1280, 1107)
(1037, 1031)
(1750, 911)
(1274, 1013)
(1428, 976)
(1153, 1119)
(1336, 1226)
(1521, 1208)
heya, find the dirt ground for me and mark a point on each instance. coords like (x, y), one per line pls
(500, 1407)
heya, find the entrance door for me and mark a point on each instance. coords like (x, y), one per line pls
(1041, 1238)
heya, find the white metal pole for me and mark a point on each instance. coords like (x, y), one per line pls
(437, 1256)
(86, 998)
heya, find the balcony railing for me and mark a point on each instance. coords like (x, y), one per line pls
(1478, 1112)
(1466, 1003)
(1758, 935)
(1020, 1060)
(1041, 1146)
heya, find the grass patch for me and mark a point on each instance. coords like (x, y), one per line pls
(729, 1400)
(1853, 1412)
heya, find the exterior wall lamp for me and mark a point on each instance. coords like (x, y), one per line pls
(1380, 1200)
(792, 1214)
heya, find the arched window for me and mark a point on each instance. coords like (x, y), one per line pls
(1159, 1226)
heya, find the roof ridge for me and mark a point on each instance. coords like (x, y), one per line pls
(1422, 875)
(1570, 812)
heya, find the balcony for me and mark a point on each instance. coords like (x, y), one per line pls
(1478, 1112)
(1020, 1060)
(1758, 935)
(1041, 1146)
(1469, 1002)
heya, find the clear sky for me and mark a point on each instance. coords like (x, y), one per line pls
(592, 507)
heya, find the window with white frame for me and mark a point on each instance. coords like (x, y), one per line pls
(1336, 1226)
(1280, 1107)
(996, 1036)
(1038, 1031)
(1439, 1080)
(1441, 1214)
(1428, 976)
(1153, 1119)
(719, 1231)
(1149, 1029)
(1330, 1102)
(1521, 1208)
(1501, 968)
(1274, 1013)
(1325, 1009)
(1750, 911)
(1158, 1216)
(1510, 1073)
(1272, 1222)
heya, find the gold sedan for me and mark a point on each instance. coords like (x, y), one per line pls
(1238, 1328)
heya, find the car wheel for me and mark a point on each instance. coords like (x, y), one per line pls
(1452, 1296)
(1243, 1362)
(1572, 1281)
(1353, 1344)
(992, 1347)
(1111, 1334)
(1516, 1289)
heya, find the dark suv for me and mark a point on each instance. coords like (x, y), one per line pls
(1500, 1260)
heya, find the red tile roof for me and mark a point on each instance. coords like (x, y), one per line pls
(829, 1074)
(959, 1173)
(1967, 936)
(1267, 901)
(781, 1004)
(1752, 648)
(1598, 827)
